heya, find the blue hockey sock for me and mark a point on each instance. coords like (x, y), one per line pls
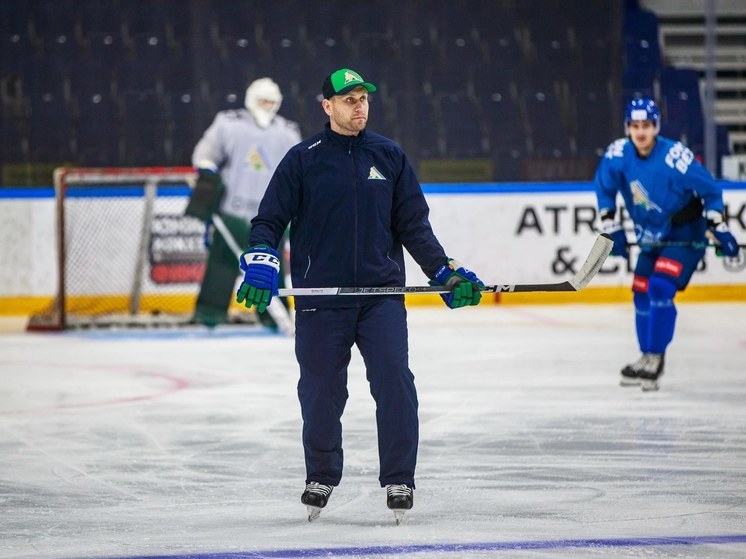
(662, 313)
(642, 319)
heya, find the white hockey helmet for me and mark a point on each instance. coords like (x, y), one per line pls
(263, 100)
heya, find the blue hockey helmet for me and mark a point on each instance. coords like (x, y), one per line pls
(643, 109)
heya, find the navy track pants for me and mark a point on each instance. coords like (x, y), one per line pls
(323, 343)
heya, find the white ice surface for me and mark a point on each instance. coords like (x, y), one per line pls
(187, 443)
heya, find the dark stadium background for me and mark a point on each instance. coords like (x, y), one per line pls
(474, 90)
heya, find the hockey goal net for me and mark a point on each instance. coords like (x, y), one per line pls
(126, 254)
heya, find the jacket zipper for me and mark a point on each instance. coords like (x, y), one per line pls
(393, 261)
(354, 199)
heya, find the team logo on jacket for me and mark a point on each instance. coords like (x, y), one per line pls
(641, 197)
(375, 174)
(257, 160)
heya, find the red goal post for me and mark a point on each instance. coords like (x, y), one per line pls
(126, 254)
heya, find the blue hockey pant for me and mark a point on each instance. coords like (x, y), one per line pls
(659, 275)
(323, 343)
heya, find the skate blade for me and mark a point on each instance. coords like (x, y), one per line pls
(313, 512)
(624, 381)
(398, 516)
(649, 385)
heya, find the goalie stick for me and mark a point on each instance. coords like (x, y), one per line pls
(600, 250)
(277, 311)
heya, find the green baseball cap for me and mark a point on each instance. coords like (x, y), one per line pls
(343, 81)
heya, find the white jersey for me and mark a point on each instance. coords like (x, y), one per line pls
(246, 156)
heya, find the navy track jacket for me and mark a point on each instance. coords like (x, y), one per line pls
(352, 202)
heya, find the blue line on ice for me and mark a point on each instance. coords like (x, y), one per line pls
(462, 547)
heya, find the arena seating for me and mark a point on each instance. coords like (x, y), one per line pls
(136, 82)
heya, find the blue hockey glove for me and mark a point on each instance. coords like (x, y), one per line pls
(261, 266)
(616, 232)
(464, 284)
(724, 237)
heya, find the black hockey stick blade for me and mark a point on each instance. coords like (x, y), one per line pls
(597, 256)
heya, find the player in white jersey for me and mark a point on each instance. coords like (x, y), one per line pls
(235, 159)
(674, 202)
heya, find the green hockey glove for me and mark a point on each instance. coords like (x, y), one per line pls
(206, 195)
(465, 285)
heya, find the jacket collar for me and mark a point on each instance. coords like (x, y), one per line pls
(344, 140)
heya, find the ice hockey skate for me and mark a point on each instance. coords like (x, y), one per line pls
(651, 372)
(399, 498)
(631, 373)
(315, 497)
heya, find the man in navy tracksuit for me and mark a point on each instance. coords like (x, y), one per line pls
(353, 203)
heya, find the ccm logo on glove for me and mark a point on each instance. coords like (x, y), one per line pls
(260, 258)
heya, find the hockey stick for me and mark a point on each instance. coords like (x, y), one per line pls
(685, 244)
(600, 250)
(277, 311)
(730, 263)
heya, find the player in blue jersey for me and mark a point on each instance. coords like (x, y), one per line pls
(673, 201)
(353, 203)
